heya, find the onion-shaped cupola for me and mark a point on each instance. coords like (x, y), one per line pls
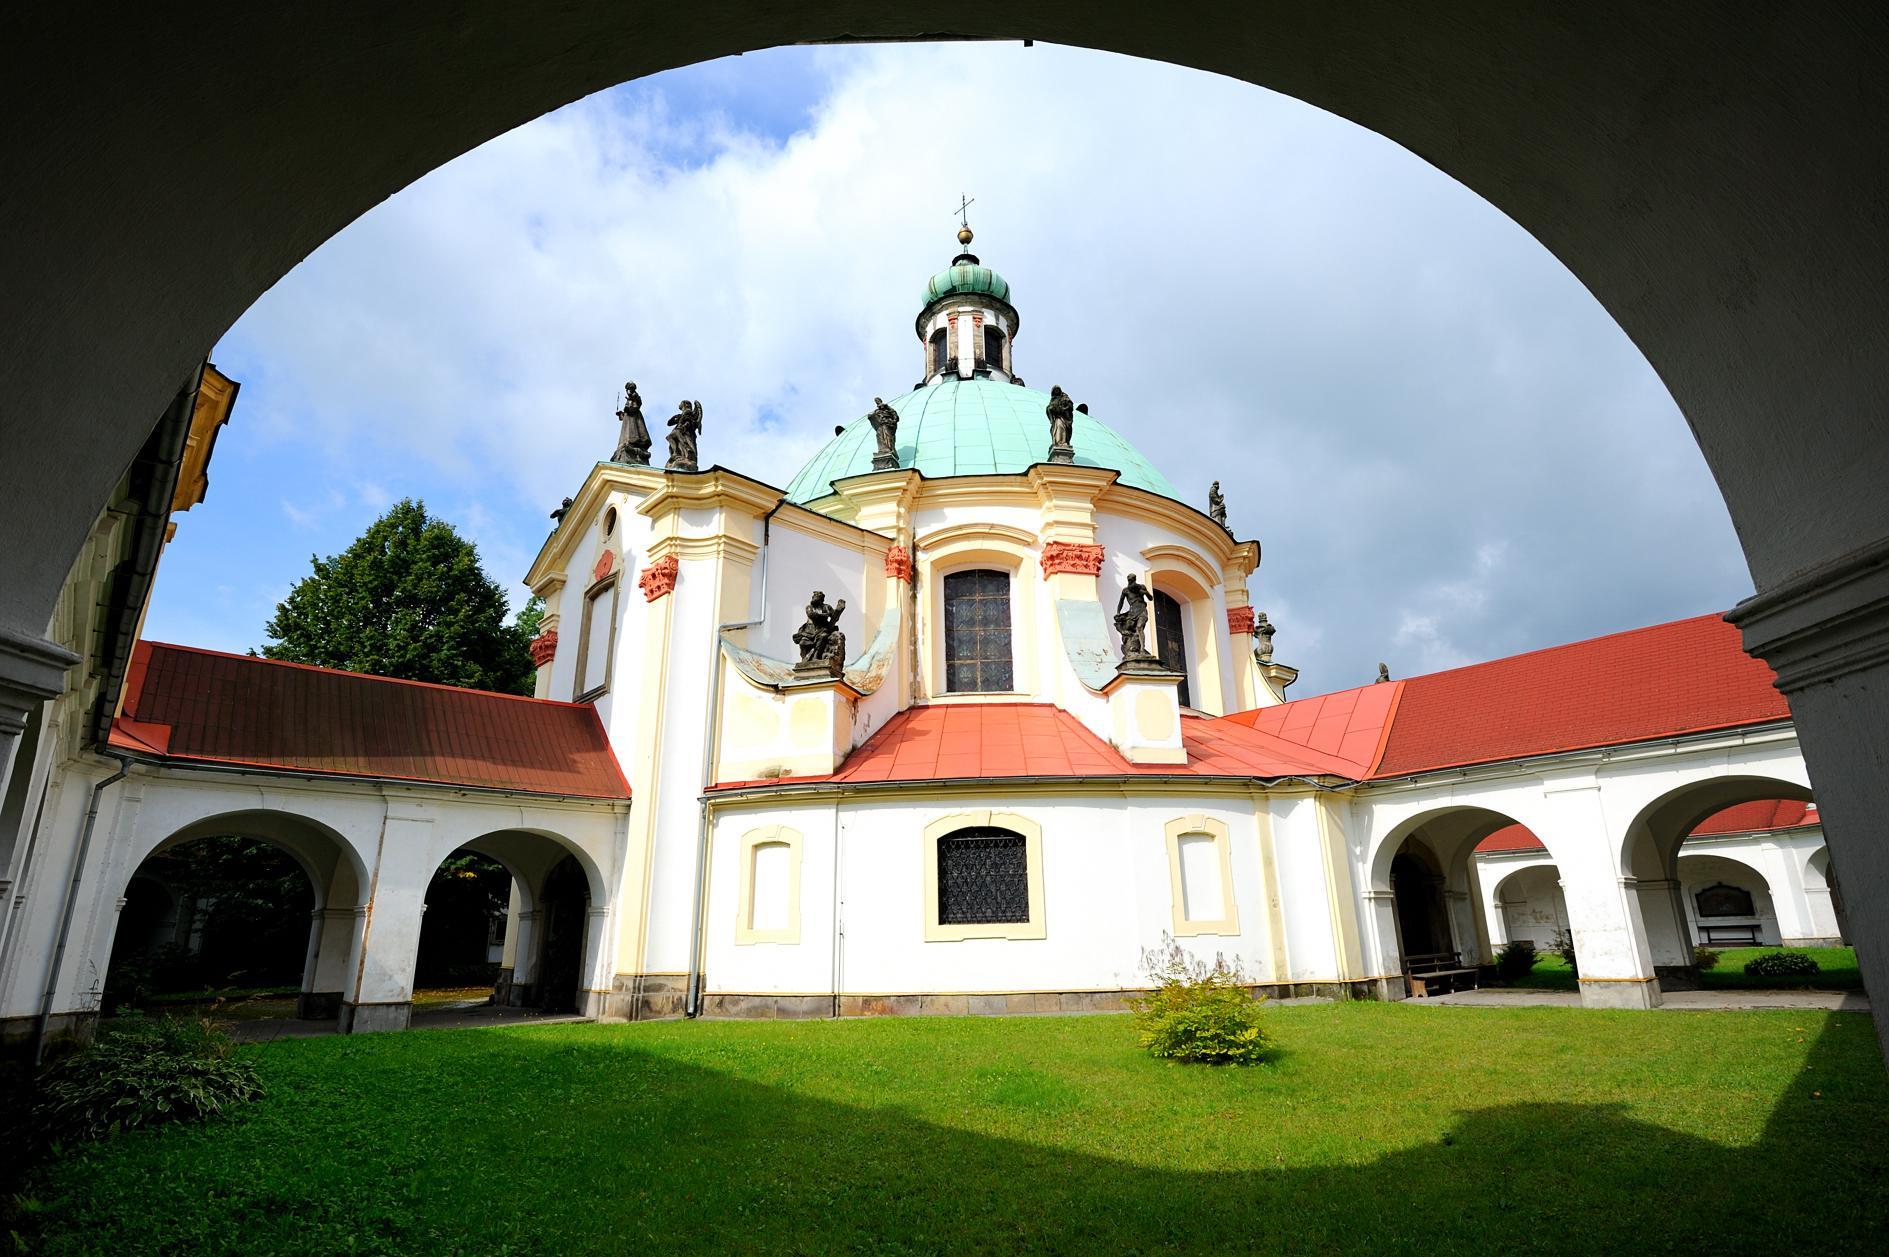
(967, 322)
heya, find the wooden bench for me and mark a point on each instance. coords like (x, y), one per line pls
(1439, 974)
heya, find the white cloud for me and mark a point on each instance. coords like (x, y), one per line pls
(1380, 368)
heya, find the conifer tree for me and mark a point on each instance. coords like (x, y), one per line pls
(408, 599)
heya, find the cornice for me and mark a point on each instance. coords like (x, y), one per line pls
(1822, 624)
(1189, 561)
(554, 554)
(1212, 540)
(716, 488)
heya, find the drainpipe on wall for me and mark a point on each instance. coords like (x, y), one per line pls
(693, 1007)
(71, 908)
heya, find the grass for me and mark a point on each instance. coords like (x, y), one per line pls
(1379, 1127)
(1840, 973)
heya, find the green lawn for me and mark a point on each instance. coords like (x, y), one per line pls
(1378, 1128)
(1839, 972)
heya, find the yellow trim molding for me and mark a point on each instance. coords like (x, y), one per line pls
(751, 843)
(1198, 825)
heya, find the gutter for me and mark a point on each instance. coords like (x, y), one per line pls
(693, 1005)
(71, 909)
(153, 485)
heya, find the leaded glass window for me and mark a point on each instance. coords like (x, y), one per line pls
(977, 632)
(1170, 640)
(993, 347)
(1726, 901)
(940, 349)
(983, 878)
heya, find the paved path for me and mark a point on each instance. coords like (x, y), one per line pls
(1679, 1001)
(440, 1017)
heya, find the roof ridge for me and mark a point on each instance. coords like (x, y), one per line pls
(363, 676)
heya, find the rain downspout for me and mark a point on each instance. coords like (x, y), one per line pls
(694, 1005)
(71, 908)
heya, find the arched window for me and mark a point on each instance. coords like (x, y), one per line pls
(994, 347)
(977, 632)
(940, 350)
(1725, 901)
(983, 877)
(1170, 639)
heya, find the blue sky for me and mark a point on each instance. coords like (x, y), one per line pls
(1447, 449)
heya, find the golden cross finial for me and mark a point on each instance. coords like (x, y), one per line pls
(963, 205)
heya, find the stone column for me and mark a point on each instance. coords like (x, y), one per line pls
(1825, 632)
(32, 670)
(332, 938)
(1604, 917)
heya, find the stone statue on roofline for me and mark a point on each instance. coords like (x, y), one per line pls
(822, 644)
(557, 516)
(632, 433)
(885, 427)
(1263, 629)
(684, 429)
(1062, 425)
(1131, 621)
(1383, 674)
(1217, 506)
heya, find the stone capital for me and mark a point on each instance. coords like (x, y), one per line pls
(659, 578)
(1823, 623)
(1239, 620)
(544, 647)
(32, 670)
(1068, 556)
(898, 563)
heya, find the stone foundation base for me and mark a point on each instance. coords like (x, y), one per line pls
(370, 1018)
(1678, 977)
(1619, 994)
(318, 1006)
(797, 1007)
(63, 1030)
(644, 996)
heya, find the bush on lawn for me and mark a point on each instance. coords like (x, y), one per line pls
(1705, 958)
(1783, 964)
(141, 1074)
(1198, 1012)
(1563, 946)
(1515, 961)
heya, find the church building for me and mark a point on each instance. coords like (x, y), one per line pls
(976, 713)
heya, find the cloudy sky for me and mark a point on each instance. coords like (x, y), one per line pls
(1447, 449)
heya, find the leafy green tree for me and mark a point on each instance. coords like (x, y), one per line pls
(408, 599)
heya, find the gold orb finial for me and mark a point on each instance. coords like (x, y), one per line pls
(964, 236)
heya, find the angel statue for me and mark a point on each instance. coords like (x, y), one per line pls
(822, 644)
(684, 428)
(632, 433)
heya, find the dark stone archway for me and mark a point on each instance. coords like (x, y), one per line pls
(1718, 178)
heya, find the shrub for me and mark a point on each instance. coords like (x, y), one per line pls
(141, 1074)
(1783, 964)
(1706, 958)
(1515, 961)
(1198, 1012)
(1563, 946)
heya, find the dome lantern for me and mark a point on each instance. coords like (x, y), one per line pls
(966, 322)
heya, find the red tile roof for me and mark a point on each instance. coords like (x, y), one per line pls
(1689, 676)
(200, 705)
(1741, 818)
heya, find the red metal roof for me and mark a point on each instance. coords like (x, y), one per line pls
(992, 741)
(1759, 816)
(187, 704)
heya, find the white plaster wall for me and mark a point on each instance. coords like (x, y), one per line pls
(1107, 897)
(1304, 890)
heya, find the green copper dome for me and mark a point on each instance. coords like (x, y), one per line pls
(961, 277)
(975, 427)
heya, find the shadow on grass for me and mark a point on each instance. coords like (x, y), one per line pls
(548, 1144)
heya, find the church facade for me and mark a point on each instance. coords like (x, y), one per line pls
(976, 713)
